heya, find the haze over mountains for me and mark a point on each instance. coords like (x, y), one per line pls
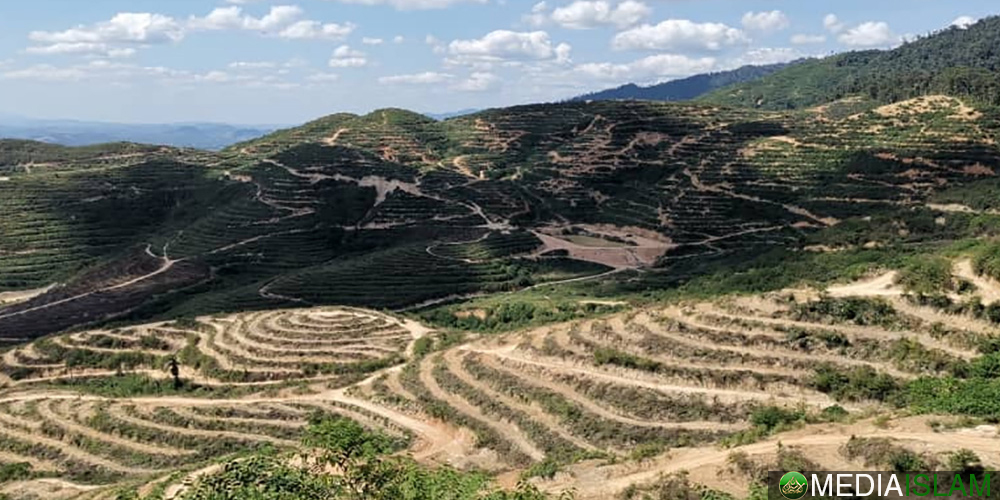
(211, 136)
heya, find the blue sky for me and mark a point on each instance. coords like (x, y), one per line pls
(286, 61)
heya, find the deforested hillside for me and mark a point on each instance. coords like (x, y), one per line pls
(694, 395)
(957, 61)
(395, 210)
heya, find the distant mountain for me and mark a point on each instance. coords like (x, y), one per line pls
(452, 114)
(684, 89)
(79, 133)
(956, 61)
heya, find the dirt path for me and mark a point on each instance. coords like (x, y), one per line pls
(453, 360)
(879, 286)
(46, 412)
(802, 212)
(589, 405)
(634, 379)
(653, 327)
(332, 140)
(505, 429)
(600, 483)
(986, 287)
(119, 414)
(165, 266)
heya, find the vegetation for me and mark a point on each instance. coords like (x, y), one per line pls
(683, 89)
(955, 61)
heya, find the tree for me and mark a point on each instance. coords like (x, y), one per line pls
(174, 367)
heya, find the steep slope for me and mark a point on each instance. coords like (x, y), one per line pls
(684, 89)
(394, 209)
(955, 61)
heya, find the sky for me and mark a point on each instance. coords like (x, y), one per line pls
(288, 61)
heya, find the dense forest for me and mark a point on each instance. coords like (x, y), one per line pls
(960, 62)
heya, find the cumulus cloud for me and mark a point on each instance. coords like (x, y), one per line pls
(832, 24)
(678, 34)
(425, 78)
(766, 22)
(652, 67)
(372, 41)
(869, 34)
(505, 45)
(117, 37)
(586, 14)
(346, 57)
(801, 39)
(284, 21)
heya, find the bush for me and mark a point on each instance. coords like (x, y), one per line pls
(863, 383)
(926, 275)
(771, 417)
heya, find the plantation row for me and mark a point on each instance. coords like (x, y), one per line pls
(335, 346)
(636, 385)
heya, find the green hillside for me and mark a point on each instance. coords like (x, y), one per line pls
(956, 61)
(395, 210)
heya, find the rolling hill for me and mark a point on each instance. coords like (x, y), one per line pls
(396, 210)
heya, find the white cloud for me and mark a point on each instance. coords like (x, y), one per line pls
(284, 21)
(832, 24)
(869, 34)
(117, 37)
(372, 41)
(586, 14)
(766, 22)
(425, 78)
(801, 39)
(653, 67)
(477, 82)
(964, 22)
(126, 27)
(252, 65)
(398, 39)
(504, 45)
(678, 34)
(538, 16)
(413, 4)
(346, 57)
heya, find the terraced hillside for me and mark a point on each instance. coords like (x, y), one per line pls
(601, 406)
(100, 407)
(431, 211)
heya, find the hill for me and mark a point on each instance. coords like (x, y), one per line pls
(684, 89)
(397, 210)
(957, 61)
(801, 379)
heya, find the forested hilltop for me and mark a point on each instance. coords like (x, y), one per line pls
(684, 89)
(958, 61)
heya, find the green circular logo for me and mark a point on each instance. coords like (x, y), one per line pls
(792, 485)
